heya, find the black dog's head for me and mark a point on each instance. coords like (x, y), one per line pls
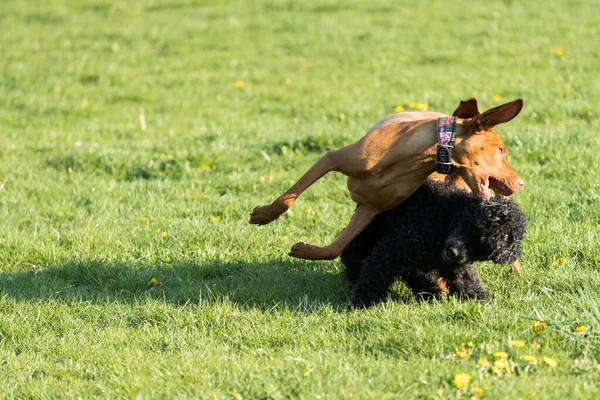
(490, 230)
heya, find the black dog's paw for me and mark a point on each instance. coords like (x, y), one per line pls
(480, 295)
(483, 295)
(356, 306)
(427, 297)
(360, 304)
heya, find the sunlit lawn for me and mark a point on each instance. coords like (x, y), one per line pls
(136, 137)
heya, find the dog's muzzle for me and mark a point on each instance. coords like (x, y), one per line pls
(450, 255)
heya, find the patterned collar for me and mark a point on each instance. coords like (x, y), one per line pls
(446, 128)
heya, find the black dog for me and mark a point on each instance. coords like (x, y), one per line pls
(437, 233)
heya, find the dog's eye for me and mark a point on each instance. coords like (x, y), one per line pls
(500, 150)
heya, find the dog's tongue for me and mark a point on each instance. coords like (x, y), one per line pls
(485, 189)
(499, 187)
(515, 265)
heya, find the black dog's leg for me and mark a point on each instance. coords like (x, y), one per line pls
(464, 280)
(374, 280)
(356, 252)
(425, 285)
(353, 259)
(352, 272)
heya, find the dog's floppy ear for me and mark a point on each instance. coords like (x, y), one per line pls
(466, 109)
(497, 115)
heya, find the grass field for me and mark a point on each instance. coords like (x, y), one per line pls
(127, 265)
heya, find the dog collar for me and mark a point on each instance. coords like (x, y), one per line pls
(445, 129)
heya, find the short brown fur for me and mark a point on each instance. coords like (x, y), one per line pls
(395, 157)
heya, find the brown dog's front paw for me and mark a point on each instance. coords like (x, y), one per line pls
(309, 252)
(262, 215)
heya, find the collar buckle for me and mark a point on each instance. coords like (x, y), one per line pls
(445, 130)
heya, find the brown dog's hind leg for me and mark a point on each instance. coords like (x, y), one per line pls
(262, 215)
(362, 217)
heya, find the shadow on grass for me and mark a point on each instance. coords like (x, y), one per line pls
(300, 286)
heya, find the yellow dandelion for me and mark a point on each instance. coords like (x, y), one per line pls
(238, 84)
(284, 238)
(155, 282)
(13, 146)
(550, 362)
(462, 353)
(477, 390)
(580, 329)
(76, 381)
(143, 219)
(530, 359)
(560, 260)
(56, 89)
(500, 354)
(558, 52)
(288, 81)
(237, 396)
(204, 167)
(501, 364)
(307, 211)
(538, 326)
(567, 86)
(398, 108)
(214, 220)
(180, 154)
(483, 362)
(419, 106)
(461, 380)
(163, 234)
(84, 103)
(497, 97)
(262, 178)
(470, 343)
(271, 177)
(146, 142)
(516, 343)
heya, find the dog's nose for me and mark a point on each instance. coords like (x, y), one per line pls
(450, 254)
(453, 253)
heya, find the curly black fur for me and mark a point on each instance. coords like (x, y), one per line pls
(437, 233)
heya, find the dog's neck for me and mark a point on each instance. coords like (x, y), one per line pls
(426, 163)
(431, 132)
(445, 132)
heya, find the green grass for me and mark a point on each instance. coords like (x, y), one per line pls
(95, 302)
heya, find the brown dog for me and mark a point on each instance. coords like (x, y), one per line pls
(395, 157)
